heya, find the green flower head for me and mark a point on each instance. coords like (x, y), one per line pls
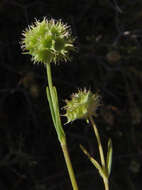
(82, 105)
(48, 41)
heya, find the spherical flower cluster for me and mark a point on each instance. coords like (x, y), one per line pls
(48, 41)
(82, 105)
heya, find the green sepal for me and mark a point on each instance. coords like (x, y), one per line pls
(95, 163)
(109, 157)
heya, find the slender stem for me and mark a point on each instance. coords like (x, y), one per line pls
(49, 77)
(105, 179)
(69, 166)
(99, 141)
(106, 184)
(60, 131)
(50, 84)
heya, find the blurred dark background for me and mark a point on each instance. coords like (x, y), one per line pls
(108, 59)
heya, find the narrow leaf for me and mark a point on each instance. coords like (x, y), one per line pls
(50, 105)
(59, 127)
(109, 157)
(94, 162)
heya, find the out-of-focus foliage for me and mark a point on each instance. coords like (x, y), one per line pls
(108, 58)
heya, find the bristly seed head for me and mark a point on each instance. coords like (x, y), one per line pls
(48, 41)
(82, 105)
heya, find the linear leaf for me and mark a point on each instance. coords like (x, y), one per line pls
(109, 157)
(60, 130)
(94, 162)
(50, 105)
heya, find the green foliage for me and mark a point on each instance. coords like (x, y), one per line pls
(101, 170)
(109, 157)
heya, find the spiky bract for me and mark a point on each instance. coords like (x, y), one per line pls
(82, 105)
(48, 41)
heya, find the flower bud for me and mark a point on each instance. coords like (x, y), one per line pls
(82, 105)
(48, 41)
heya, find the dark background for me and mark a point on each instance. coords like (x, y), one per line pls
(108, 59)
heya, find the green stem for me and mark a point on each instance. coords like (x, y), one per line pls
(49, 77)
(57, 123)
(99, 141)
(69, 166)
(106, 184)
